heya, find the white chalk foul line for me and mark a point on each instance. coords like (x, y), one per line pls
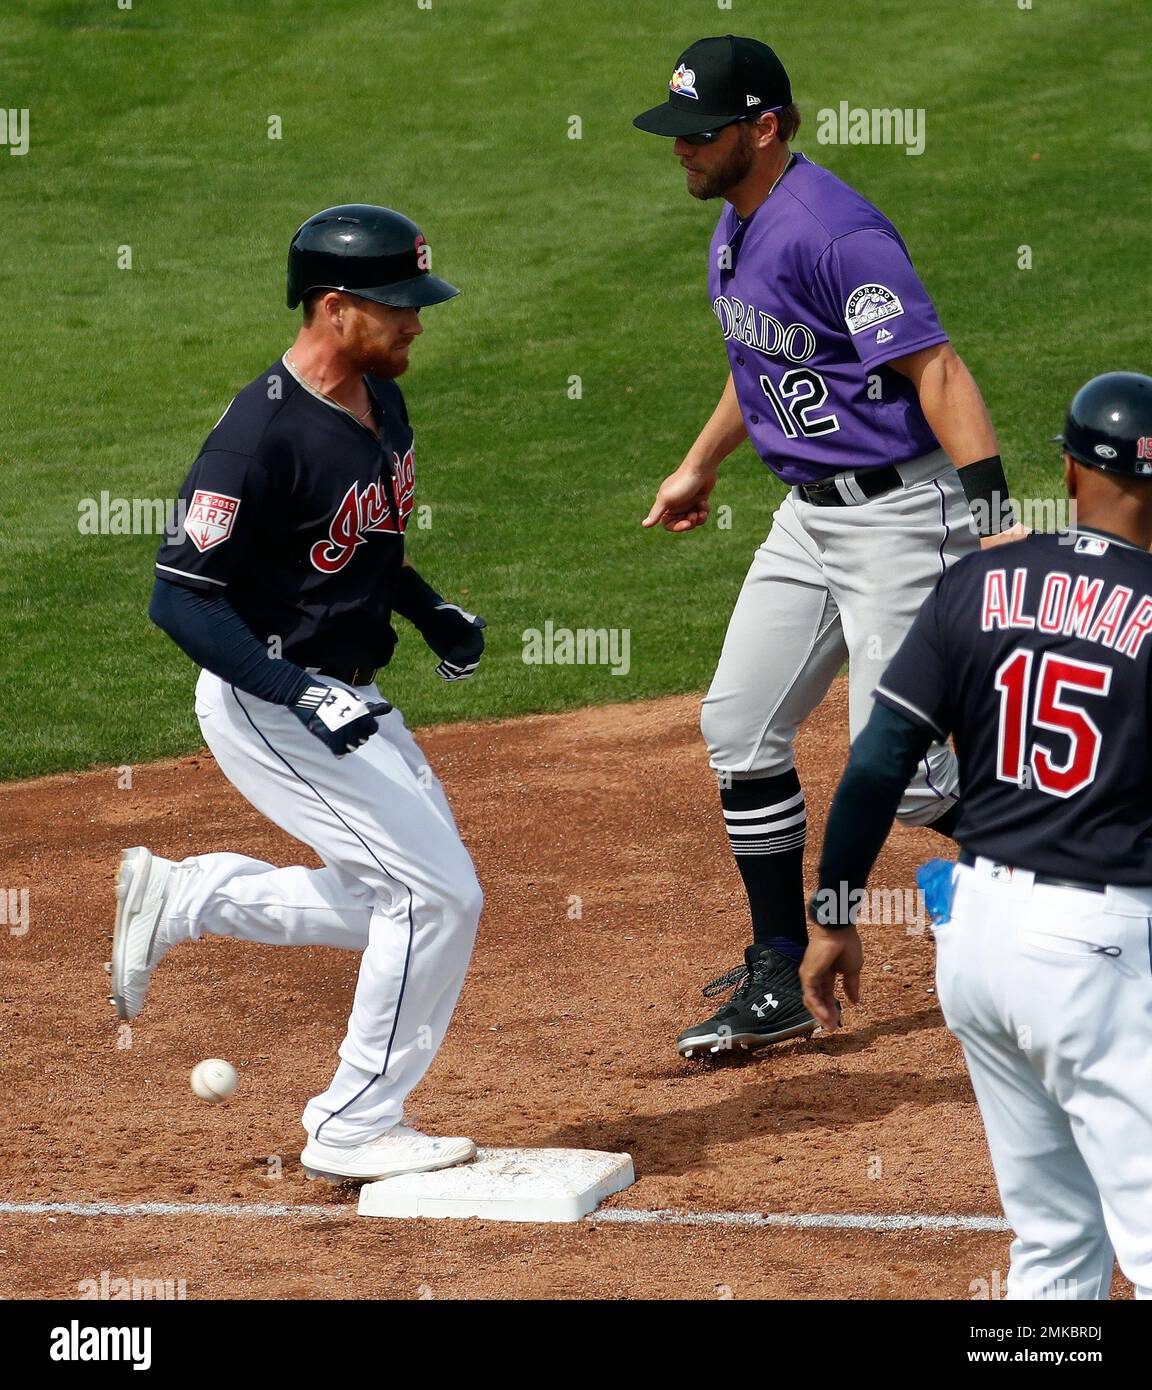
(810, 1221)
(168, 1209)
(617, 1216)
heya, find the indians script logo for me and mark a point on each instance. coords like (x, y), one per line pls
(362, 510)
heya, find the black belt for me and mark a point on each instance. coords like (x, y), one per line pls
(872, 482)
(1050, 880)
(353, 675)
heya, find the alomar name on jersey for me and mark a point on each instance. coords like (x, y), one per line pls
(762, 331)
(1071, 607)
(362, 510)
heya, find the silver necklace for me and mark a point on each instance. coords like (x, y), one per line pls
(356, 415)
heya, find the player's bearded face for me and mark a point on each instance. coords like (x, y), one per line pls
(714, 169)
(377, 337)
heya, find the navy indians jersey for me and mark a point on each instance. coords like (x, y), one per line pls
(1036, 657)
(295, 513)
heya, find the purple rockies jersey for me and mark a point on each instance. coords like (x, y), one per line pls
(815, 292)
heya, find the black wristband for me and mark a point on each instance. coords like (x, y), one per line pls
(986, 489)
(414, 598)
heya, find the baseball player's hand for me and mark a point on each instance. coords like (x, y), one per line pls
(1015, 533)
(829, 954)
(682, 501)
(339, 720)
(457, 637)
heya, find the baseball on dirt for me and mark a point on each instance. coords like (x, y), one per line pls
(214, 1079)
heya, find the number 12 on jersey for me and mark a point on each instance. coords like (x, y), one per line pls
(1058, 676)
(801, 391)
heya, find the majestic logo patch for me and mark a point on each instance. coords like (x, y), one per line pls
(210, 518)
(868, 305)
(1105, 451)
(364, 510)
(683, 80)
(883, 336)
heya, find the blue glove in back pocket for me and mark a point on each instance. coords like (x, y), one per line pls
(934, 880)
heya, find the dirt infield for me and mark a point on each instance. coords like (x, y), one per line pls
(563, 1037)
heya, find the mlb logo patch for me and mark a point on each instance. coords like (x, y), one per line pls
(210, 517)
(683, 81)
(1091, 545)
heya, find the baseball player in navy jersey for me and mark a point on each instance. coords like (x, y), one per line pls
(1037, 660)
(282, 586)
(847, 387)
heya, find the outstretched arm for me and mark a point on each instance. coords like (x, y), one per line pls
(882, 762)
(883, 759)
(682, 500)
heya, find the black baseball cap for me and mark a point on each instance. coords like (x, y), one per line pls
(715, 82)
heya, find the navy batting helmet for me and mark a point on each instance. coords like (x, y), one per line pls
(1110, 424)
(368, 251)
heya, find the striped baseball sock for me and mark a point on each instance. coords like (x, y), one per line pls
(767, 825)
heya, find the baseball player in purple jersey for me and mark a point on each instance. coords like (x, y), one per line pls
(847, 387)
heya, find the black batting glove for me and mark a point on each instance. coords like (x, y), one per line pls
(340, 720)
(456, 637)
(453, 634)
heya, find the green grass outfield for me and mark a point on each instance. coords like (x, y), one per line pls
(576, 257)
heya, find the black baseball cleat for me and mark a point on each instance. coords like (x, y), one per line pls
(766, 1006)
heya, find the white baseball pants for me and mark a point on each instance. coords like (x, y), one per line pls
(1049, 990)
(397, 885)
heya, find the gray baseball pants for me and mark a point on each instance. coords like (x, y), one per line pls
(834, 584)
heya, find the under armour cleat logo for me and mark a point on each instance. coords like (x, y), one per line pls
(761, 1009)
